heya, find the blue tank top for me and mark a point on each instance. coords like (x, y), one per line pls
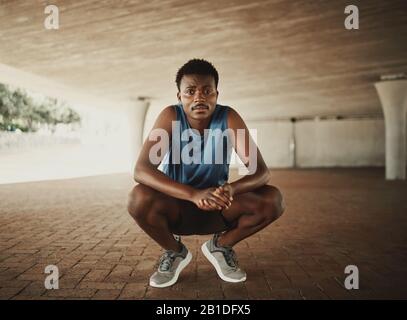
(208, 155)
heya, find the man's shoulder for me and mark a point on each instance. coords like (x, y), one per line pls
(234, 118)
(232, 113)
(169, 113)
(165, 118)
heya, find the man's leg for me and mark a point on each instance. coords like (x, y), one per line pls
(251, 212)
(154, 212)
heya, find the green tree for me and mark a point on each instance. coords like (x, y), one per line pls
(8, 107)
(16, 107)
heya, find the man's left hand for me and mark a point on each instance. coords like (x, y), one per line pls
(225, 190)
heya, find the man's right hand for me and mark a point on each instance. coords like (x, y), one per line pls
(210, 199)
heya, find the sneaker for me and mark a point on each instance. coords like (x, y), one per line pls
(224, 260)
(170, 266)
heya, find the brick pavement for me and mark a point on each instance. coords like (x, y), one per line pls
(334, 218)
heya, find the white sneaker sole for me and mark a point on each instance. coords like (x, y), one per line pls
(181, 266)
(215, 263)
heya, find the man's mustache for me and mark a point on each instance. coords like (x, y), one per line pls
(200, 106)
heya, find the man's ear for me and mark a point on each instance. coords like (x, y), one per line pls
(217, 93)
(179, 96)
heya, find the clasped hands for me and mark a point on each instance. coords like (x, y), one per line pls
(214, 198)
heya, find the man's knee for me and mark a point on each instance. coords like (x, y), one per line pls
(272, 204)
(140, 199)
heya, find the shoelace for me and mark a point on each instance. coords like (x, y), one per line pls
(229, 254)
(230, 257)
(166, 260)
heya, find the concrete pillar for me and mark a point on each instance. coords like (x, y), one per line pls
(136, 119)
(393, 97)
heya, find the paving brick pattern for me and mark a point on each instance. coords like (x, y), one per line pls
(334, 218)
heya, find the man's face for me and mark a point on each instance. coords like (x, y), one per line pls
(198, 95)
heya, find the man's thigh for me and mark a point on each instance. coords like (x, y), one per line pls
(247, 203)
(157, 202)
(183, 217)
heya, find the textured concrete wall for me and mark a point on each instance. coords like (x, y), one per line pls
(273, 138)
(329, 143)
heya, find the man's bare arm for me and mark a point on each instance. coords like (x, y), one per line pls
(147, 173)
(261, 175)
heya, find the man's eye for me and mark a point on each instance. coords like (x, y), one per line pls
(190, 91)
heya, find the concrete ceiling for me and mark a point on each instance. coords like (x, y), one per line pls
(275, 58)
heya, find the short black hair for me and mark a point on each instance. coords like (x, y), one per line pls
(197, 66)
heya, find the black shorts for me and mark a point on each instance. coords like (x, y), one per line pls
(196, 221)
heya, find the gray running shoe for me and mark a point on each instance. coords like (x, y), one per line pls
(170, 266)
(224, 260)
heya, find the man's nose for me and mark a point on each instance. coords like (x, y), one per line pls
(199, 95)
